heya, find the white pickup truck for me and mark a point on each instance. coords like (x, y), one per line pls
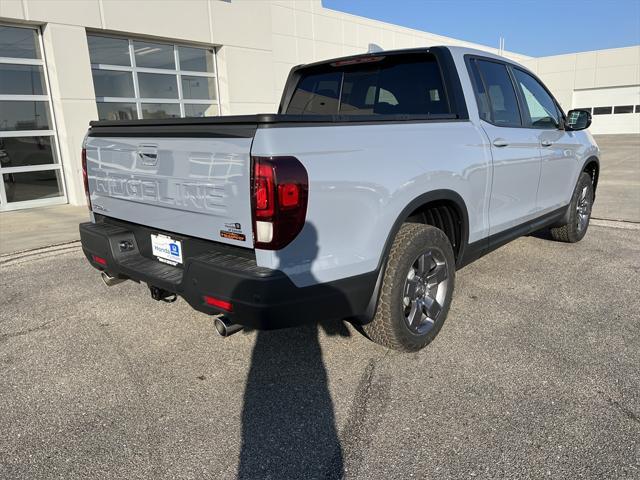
(380, 175)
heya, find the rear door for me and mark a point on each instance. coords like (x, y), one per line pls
(515, 150)
(186, 185)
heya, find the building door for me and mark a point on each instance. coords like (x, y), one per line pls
(29, 157)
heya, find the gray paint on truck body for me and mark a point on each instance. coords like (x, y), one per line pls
(193, 186)
(361, 178)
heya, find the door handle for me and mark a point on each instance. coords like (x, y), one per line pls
(500, 142)
(546, 143)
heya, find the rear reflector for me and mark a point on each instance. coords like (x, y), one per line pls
(216, 302)
(99, 260)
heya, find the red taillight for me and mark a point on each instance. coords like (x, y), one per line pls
(85, 177)
(279, 200)
(99, 260)
(216, 302)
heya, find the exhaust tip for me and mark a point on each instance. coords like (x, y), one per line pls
(225, 327)
(110, 281)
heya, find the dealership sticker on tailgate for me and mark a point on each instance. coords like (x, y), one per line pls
(166, 249)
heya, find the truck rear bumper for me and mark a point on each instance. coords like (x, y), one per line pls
(260, 298)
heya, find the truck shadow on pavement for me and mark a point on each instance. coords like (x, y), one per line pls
(288, 421)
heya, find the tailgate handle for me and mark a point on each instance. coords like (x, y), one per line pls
(148, 154)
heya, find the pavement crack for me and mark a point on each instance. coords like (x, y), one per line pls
(370, 399)
(622, 409)
(7, 336)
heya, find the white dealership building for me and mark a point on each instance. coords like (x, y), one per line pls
(64, 63)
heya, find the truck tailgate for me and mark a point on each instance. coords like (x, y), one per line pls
(188, 185)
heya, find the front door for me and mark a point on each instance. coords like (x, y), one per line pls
(558, 148)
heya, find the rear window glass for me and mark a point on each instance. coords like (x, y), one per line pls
(397, 85)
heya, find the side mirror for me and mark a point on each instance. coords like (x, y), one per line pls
(578, 119)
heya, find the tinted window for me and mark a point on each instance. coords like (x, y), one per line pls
(24, 115)
(602, 110)
(110, 83)
(154, 55)
(623, 109)
(502, 97)
(316, 94)
(18, 42)
(588, 109)
(21, 80)
(541, 109)
(157, 85)
(196, 59)
(399, 85)
(117, 111)
(109, 51)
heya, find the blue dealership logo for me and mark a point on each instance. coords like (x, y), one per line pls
(175, 250)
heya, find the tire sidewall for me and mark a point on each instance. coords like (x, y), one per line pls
(428, 238)
(576, 235)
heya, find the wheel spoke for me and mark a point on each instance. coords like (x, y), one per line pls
(424, 263)
(410, 289)
(437, 275)
(415, 315)
(432, 307)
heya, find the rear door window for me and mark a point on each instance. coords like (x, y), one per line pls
(497, 101)
(394, 85)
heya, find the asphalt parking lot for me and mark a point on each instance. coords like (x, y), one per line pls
(534, 375)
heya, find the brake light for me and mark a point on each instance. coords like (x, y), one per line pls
(216, 302)
(279, 200)
(99, 260)
(85, 177)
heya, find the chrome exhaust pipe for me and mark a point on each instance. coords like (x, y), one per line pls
(110, 281)
(225, 327)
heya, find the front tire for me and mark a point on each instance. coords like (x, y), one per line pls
(579, 212)
(416, 289)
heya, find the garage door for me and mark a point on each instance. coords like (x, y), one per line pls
(614, 110)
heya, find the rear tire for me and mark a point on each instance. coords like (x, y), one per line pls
(416, 289)
(579, 213)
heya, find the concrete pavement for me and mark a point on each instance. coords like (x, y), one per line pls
(534, 375)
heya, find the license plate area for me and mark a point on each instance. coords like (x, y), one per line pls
(166, 249)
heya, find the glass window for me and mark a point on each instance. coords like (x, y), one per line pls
(22, 80)
(157, 85)
(154, 55)
(542, 110)
(108, 50)
(111, 83)
(26, 151)
(406, 85)
(500, 93)
(23, 186)
(24, 115)
(160, 110)
(29, 164)
(200, 110)
(637, 108)
(588, 109)
(132, 80)
(196, 59)
(18, 42)
(117, 111)
(623, 109)
(200, 88)
(316, 94)
(602, 110)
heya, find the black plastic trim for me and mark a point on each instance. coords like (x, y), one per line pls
(262, 298)
(482, 247)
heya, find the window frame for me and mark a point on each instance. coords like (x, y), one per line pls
(471, 61)
(520, 92)
(178, 73)
(525, 122)
(57, 164)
